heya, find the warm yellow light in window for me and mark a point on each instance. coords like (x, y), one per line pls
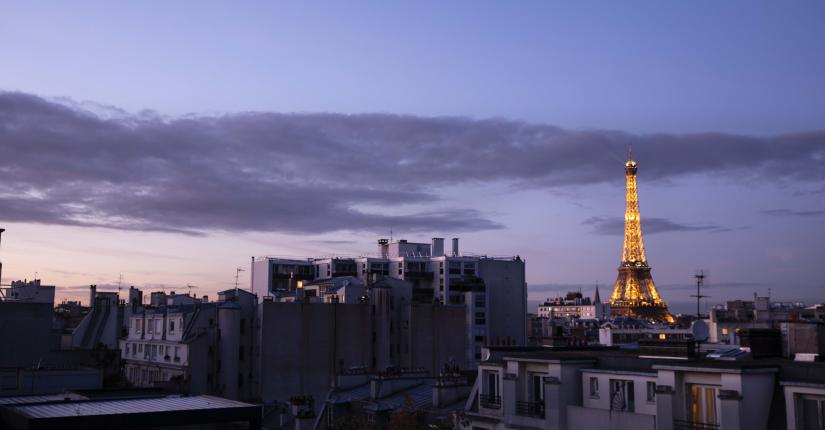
(300, 284)
(662, 336)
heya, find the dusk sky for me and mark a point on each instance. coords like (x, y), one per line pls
(171, 141)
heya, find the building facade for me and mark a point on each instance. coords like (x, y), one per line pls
(435, 276)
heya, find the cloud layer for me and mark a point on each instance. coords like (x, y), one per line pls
(79, 164)
(615, 226)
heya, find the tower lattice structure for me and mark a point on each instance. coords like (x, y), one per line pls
(635, 294)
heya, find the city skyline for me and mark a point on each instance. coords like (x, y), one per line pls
(172, 157)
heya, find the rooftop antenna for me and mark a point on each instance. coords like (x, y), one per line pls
(237, 274)
(390, 234)
(119, 283)
(189, 287)
(629, 151)
(700, 282)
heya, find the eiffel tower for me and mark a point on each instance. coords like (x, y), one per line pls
(635, 293)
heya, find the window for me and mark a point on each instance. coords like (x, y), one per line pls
(137, 326)
(622, 397)
(481, 318)
(149, 326)
(172, 325)
(702, 404)
(455, 268)
(810, 412)
(651, 391)
(594, 387)
(158, 326)
(489, 391)
(469, 269)
(537, 385)
(724, 332)
(481, 301)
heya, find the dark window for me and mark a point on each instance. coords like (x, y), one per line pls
(480, 318)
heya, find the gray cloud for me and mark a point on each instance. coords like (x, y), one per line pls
(789, 212)
(95, 165)
(615, 226)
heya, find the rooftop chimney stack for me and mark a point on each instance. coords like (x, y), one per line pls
(92, 295)
(384, 247)
(438, 247)
(1, 263)
(455, 247)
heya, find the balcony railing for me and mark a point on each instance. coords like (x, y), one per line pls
(693, 425)
(530, 409)
(490, 402)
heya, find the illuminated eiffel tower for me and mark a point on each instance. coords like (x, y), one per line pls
(635, 293)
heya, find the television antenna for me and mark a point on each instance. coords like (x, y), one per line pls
(237, 275)
(189, 288)
(700, 282)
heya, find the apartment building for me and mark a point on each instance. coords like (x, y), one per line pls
(622, 389)
(435, 277)
(321, 331)
(575, 306)
(202, 348)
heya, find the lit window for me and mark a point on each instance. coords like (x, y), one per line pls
(724, 332)
(662, 336)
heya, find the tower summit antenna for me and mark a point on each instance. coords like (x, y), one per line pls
(630, 152)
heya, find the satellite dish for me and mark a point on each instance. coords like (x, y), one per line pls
(700, 330)
(485, 354)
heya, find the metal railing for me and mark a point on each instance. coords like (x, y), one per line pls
(490, 402)
(693, 425)
(530, 409)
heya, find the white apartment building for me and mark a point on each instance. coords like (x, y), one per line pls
(204, 348)
(436, 277)
(621, 389)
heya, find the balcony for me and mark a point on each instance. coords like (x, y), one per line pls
(414, 274)
(530, 409)
(467, 283)
(693, 425)
(490, 402)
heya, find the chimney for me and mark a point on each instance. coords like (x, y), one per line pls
(383, 248)
(438, 247)
(92, 295)
(455, 247)
(1, 263)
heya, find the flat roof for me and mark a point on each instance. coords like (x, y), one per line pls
(124, 406)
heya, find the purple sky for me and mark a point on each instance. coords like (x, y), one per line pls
(170, 142)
